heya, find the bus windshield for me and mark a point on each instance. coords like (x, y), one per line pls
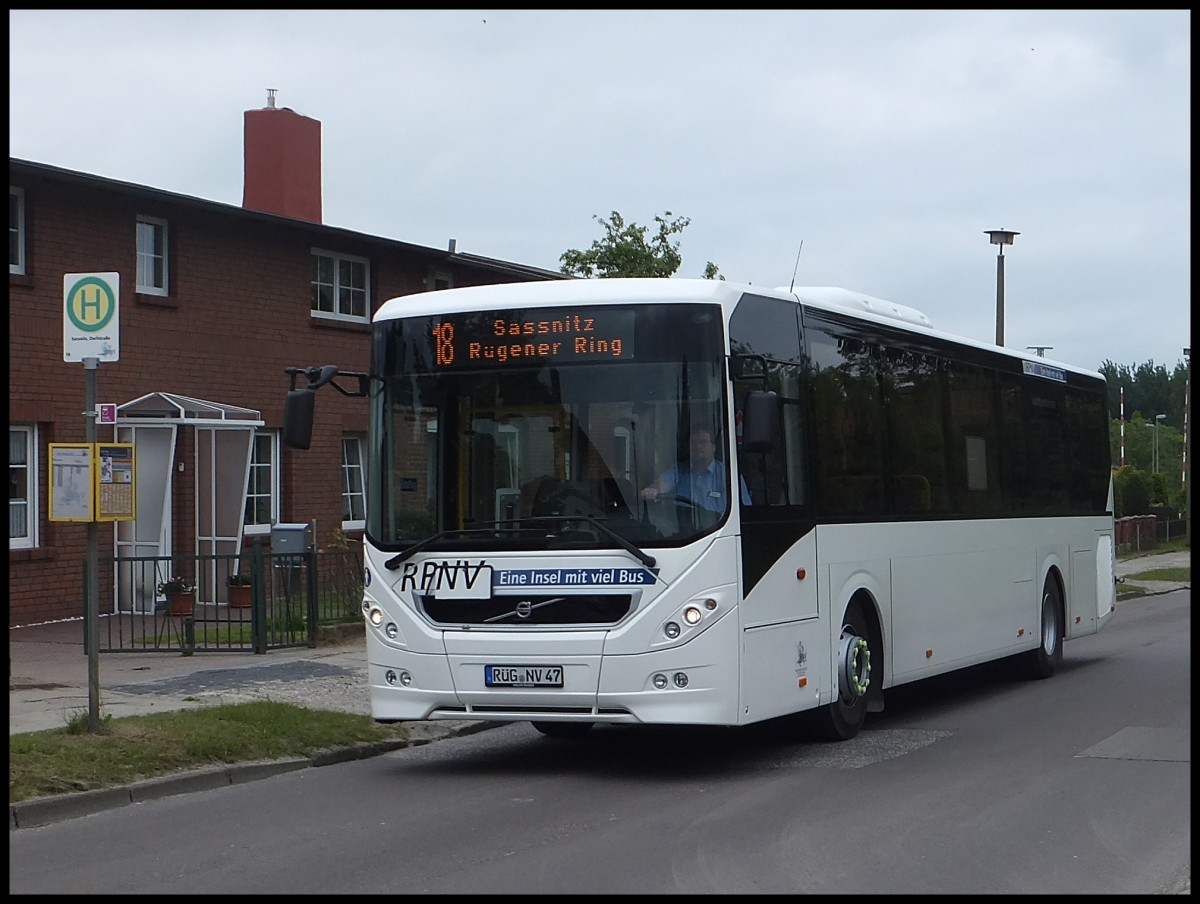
(537, 428)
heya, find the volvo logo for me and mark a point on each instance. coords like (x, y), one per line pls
(524, 609)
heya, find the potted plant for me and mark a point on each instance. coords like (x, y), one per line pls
(180, 593)
(240, 591)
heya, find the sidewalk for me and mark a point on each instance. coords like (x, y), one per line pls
(1137, 564)
(48, 677)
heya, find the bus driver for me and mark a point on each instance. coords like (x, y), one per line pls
(701, 478)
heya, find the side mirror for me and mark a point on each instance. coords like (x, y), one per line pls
(760, 421)
(298, 417)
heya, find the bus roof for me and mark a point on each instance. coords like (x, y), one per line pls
(568, 292)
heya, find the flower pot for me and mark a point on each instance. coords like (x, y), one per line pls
(182, 602)
(240, 596)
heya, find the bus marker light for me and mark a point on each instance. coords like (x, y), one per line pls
(929, 654)
(802, 682)
(710, 604)
(801, 574)
(692, 615)
(1020, 632)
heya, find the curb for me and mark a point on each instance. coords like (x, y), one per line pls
(1137, 591)
(334, 635)
(41, 811)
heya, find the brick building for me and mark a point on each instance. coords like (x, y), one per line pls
(215, 302)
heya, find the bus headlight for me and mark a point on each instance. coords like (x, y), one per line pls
(692, 615)
(375, 616)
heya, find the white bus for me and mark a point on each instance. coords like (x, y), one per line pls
(888, 503)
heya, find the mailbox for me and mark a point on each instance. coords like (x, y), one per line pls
(289, 539)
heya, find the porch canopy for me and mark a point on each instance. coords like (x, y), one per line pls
(172, 408)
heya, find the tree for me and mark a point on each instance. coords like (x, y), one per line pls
(625, 251)
(1134, 492)
(1150, 389)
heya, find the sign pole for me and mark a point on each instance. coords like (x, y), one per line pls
(91, 334)
(90, 366)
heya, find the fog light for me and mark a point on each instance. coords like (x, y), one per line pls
(680, 679)
(391, 630)
(660, 681)
(389, 676)
(691, 615)
(405, 678)
(376, 617)
(671, 630)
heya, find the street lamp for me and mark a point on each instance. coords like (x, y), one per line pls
(1157, 418)
(1000, 237)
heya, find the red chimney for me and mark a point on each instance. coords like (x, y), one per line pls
(283, 162)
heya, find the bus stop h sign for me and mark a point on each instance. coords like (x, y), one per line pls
(91, 325)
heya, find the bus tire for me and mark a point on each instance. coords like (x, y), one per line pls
(1045, 660)
(563, 729)
(842, 719)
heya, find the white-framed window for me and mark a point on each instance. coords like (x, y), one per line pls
(354, 489)
(339, 286)
(440, 279)
(262, 487)
(16, 231)
(152, 262)
(22, 487)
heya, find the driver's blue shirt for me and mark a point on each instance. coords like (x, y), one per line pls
(706, 488)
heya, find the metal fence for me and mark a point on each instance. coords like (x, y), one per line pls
(1144, 533)
(279, 601)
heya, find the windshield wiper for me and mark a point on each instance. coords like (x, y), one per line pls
(395, 561)
(648, 560)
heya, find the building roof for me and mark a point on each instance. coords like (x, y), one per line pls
(29, 168)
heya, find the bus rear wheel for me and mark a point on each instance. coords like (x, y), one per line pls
(563, 729)
(1045, 660)
(842, 719)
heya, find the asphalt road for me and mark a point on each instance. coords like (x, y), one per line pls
(972, 783)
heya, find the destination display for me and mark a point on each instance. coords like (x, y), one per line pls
(516, 338)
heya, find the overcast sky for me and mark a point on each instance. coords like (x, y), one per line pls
(886, 141)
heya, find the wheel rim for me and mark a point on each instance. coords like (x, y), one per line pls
(855, 655)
